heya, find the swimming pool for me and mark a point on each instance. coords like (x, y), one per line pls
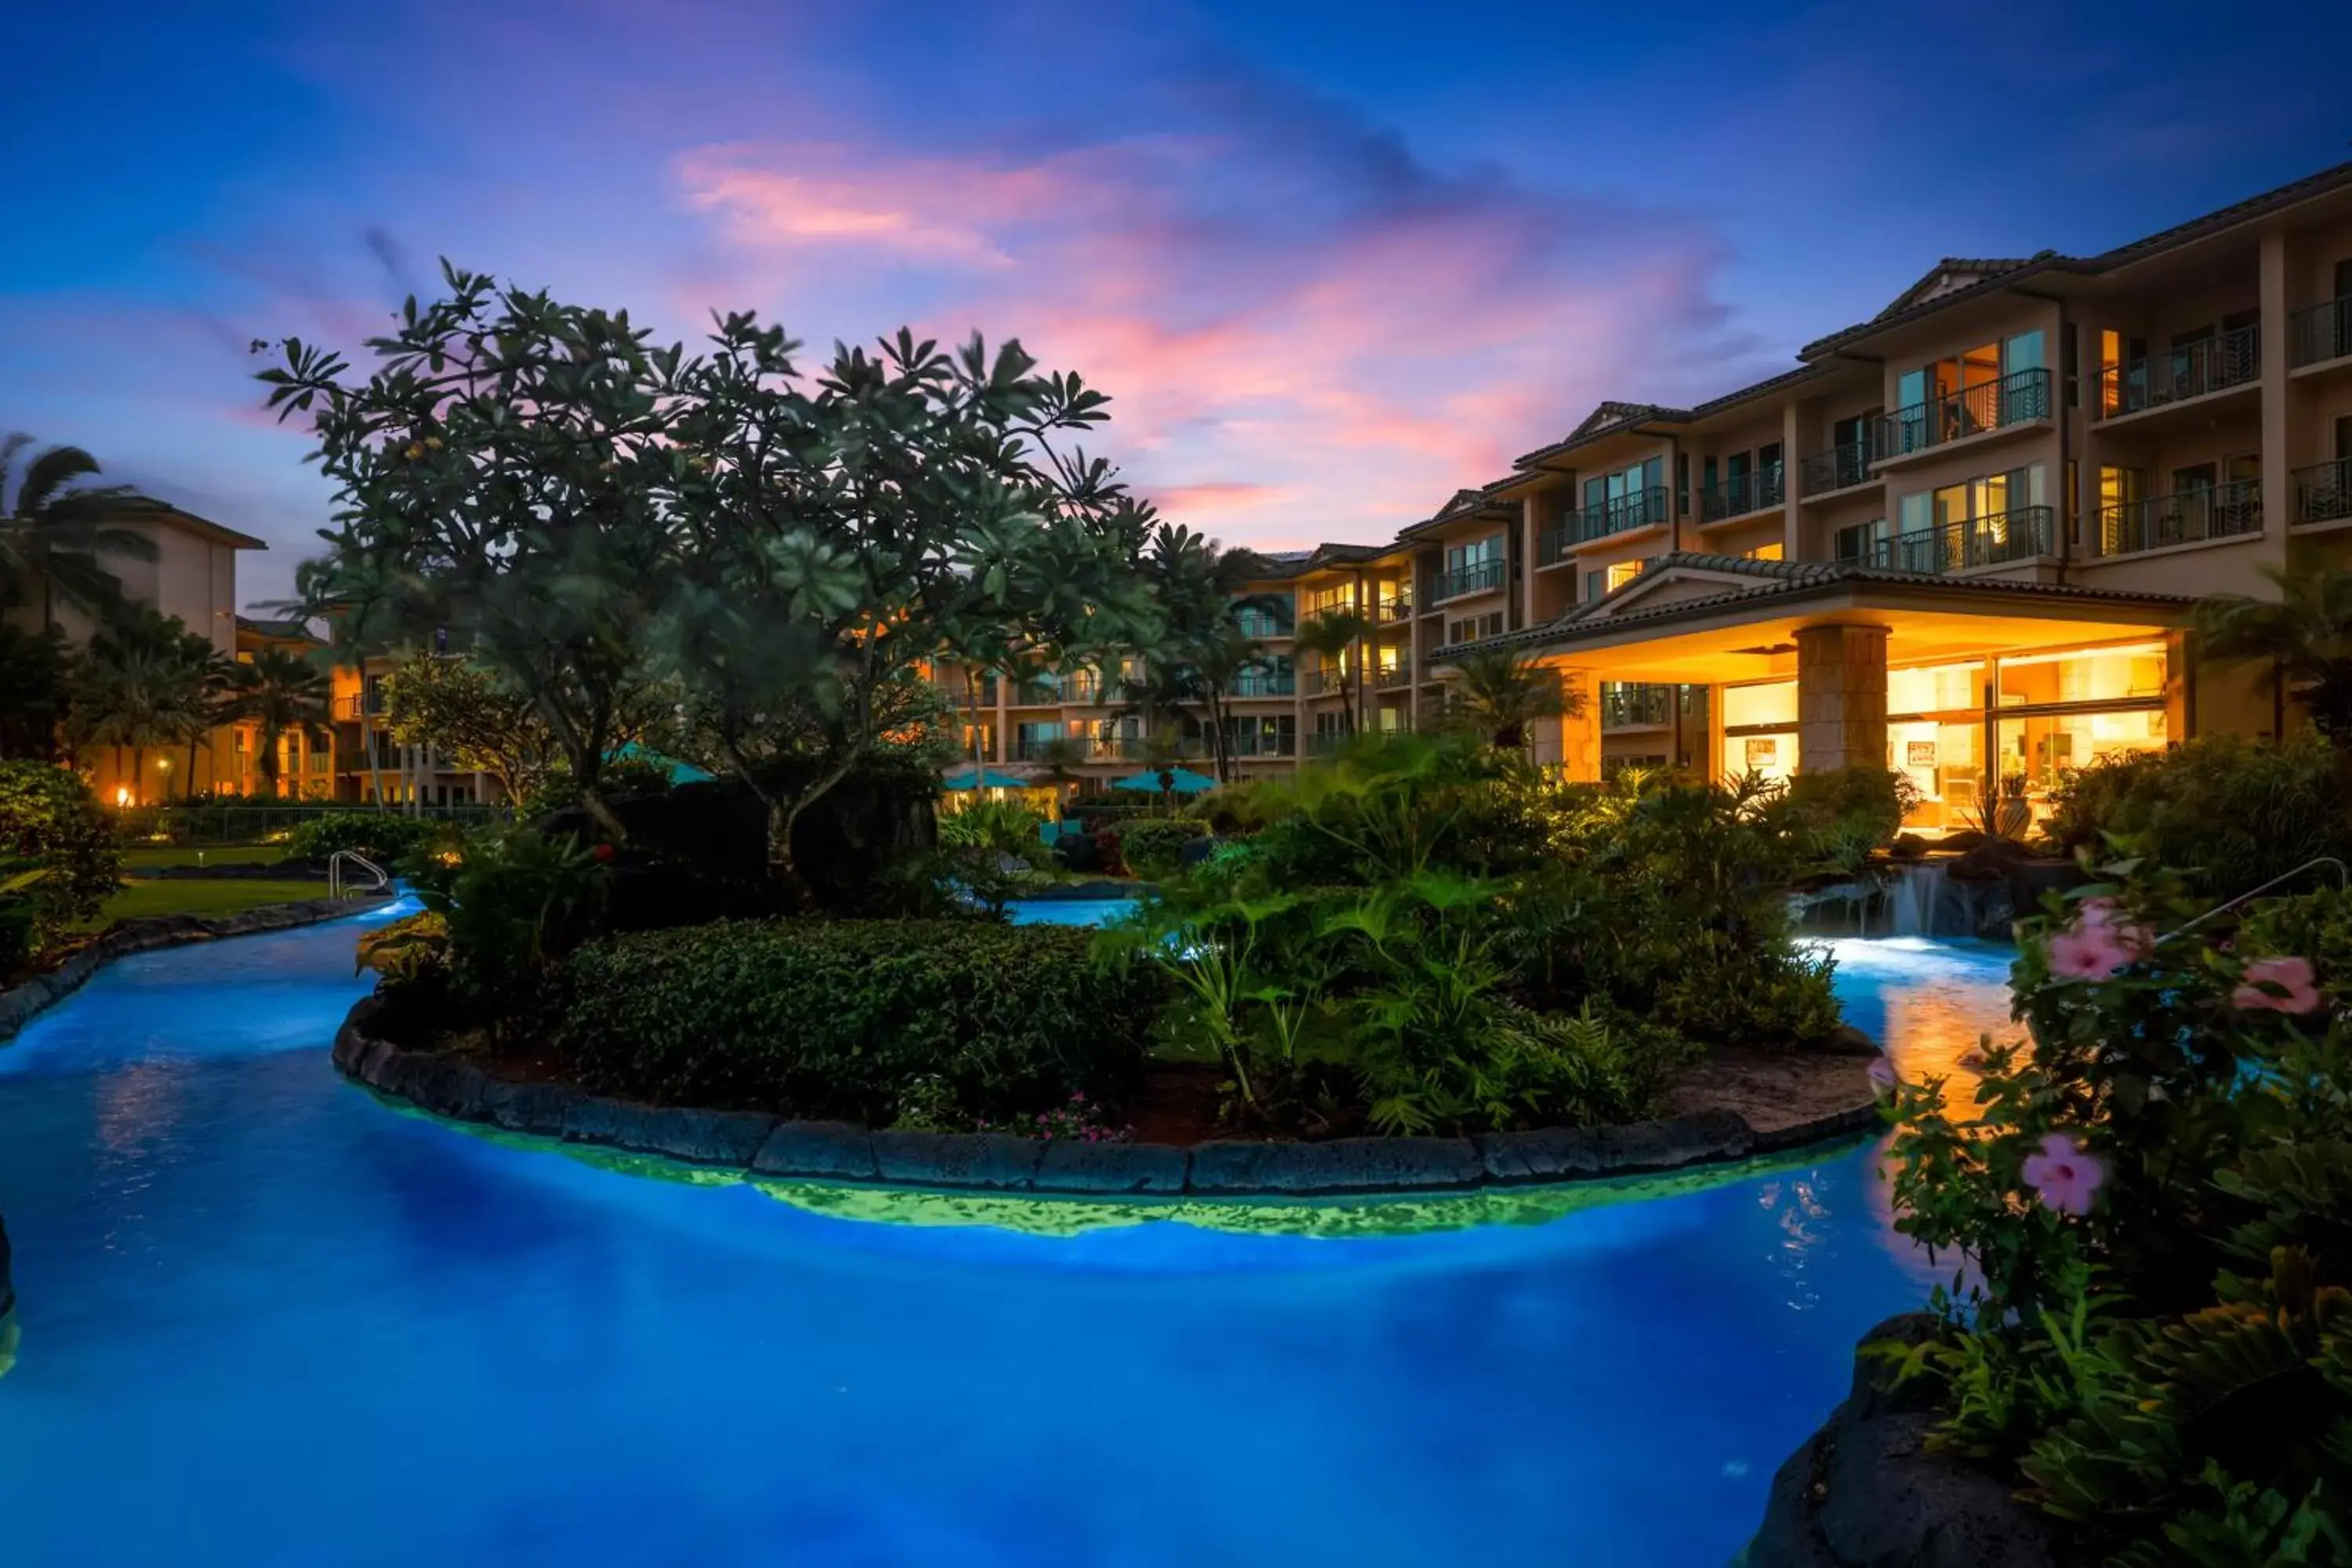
(266, 1320)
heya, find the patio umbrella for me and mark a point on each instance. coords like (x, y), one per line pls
(1183, 780)
(982, 778)
(679, 772)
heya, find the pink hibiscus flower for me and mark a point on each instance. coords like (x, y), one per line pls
(2063, 1175)
(2282, 985)
(2094, 947)
(1881, 1073)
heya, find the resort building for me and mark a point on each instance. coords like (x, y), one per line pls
(1961, 538)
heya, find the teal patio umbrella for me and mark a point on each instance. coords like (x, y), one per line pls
(679, 772)
(1183, 780)
(984, 778)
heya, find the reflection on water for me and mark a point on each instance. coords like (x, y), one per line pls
(1930, 1003)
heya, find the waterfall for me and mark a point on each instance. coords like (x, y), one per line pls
(1922, 901)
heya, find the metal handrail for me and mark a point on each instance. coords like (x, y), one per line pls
(335, 873)
(2343, 881)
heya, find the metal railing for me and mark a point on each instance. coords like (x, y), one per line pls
(1630, 706)
(2343, 881)
(2018, 398)
(1842, 466)
(1740, 494)
(342, 857)
(1263, 685)
(2323, 492)
(1387, 675)
(2020, 534)
(1251, 744)
(2209, 365)
(1396, 609)
(2321, 332)
(1482, 578)
(2216, 511)
(1037, 694)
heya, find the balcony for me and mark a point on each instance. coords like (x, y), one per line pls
(1626, 514)
(2020, 398)
(1037, 694)
(1250, 744)
(2233, 358)
(1389, 611)
(1393, 674)
(1637, 707)
(1841, 468)
(2323, 492)
(2186, 516)
(1741, 494)
(1260, 683)
(2321, 333)
(1085, 690)
(350, 708)
(1326, 742)
(1483, 578)
(1997, 539)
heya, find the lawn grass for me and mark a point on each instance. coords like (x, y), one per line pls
(195, 897)
(150, 855)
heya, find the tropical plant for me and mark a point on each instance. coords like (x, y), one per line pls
(56, 532)
(1200, 653)
(1060, 758)
(281, 694)
(2304, 636)
(146, 682)
(511, 902)
(463, 710)
(60, 845)
(36, 686)
(1502, 694)
(1333, 638)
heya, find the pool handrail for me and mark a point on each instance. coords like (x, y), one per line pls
(335, 873)
(2343, 880)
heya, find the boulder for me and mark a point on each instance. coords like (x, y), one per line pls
(1864, 1492)
(1340, 1165)
(987, 1160)
(822, 1150)
(1076, 1166)
(699, 1137)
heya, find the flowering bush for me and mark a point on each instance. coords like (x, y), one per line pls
(2150, 1328)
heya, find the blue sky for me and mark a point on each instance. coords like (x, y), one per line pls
(1332, 261)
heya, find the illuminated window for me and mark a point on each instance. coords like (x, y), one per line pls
(2134, 673)
(1772, 551)
(1934, 688)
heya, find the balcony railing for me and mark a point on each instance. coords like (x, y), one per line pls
(1626, 707)
(1397, 609)
(1261, 684)
(2018, 535)
(2323, 492)
(2211, 364)
(1484, 577)
(2321, 332)
(1251, 744)
(2018, 398)
(1037, 694)
(2215, 511)
(1326, 742)
(1842, 466)
(1397, 674)
(1741, 494)
(1642, 508)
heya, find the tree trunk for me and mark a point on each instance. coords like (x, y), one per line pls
(600, 812)
(783, 816)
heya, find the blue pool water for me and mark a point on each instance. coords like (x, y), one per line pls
(266, 1320)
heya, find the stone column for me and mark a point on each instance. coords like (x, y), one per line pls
(1572, 744)
(1840, 697)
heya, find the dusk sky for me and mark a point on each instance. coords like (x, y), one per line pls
(1331, 261)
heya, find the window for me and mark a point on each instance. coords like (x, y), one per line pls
(1477, 553)
(1266, 616)
(1608, 579)
(2133, 673)
(1470, 628)
(1935, 688)
(1775, 550)
(1771, 704)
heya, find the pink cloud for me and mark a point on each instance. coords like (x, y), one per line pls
(1292, 303)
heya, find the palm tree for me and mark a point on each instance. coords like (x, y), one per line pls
(1502, 694)
(53, 530)
(1331, 637)
(2304, 636)
(283, 693)
(135, 690)
(1060, 757)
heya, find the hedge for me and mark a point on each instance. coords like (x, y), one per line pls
(1153, 848)
(840, 1018)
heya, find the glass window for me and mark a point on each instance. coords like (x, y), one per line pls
(1944, 760)
(2022, 351)
(1934, 688)
(1774, 702)
(1772, 551)
(2134, 673)
(1772, 756)
(2036, 752)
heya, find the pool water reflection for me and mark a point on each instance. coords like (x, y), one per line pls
(266, 1319)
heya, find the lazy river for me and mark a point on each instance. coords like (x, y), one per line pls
(266, 1320)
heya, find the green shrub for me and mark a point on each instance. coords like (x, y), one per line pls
(379, 835)
(846, 1018)
(1840, 816)
(62, 843)
(502, 912)
(2226, 812)
(1153, 847)
(2153, 1335)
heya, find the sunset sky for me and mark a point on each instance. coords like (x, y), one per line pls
(1332, 261)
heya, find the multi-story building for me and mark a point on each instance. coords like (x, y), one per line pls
(1961, 538)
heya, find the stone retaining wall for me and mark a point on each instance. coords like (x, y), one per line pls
(8, 1292)
(764, 1145)
(19, 1007)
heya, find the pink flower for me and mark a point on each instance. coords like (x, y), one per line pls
(2094, 947)
(2296, 988)
(1881, 1073)
(2063, 1175)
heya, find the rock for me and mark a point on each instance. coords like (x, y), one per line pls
(1068, 1167)
(536, 1108)
(699, 1137)
(1549, 1154)
(824, 1150)
(1671, 1144)
(1846, 1040)
(1340, 1165)
(986, 1160)
(1988, 861)
(7, 1290)
(1864, 1492)
(1907, 847)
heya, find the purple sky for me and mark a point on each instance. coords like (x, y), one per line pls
(1331, 261)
